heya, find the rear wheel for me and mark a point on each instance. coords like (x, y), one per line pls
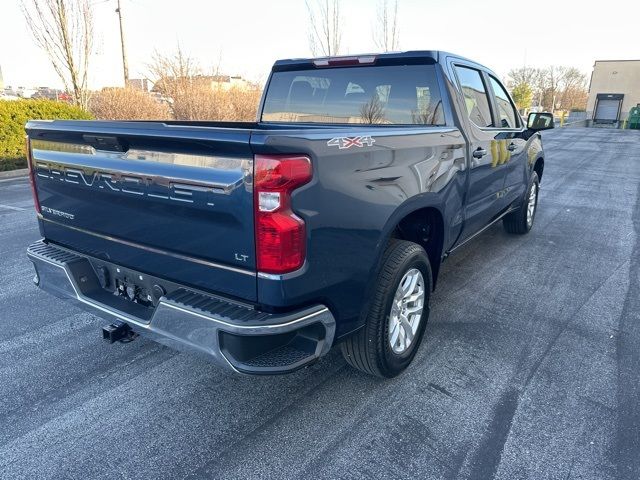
(397, 314)
(521, 220)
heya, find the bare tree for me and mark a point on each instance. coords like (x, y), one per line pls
(552, 87)
(194, 94)
(325, 26)
(564, 88)
(574, 89)
(372, 111)
(64, 30)
(553, 74)
(524, 75)
(172, 72)
(386, 32)
(179, 78)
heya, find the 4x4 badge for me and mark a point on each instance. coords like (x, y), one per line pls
(348, 142)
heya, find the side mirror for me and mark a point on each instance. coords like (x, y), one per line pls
(540, 121)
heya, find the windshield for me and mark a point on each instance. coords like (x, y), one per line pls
(396, 95)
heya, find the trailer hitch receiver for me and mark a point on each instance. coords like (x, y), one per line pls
(117, 332)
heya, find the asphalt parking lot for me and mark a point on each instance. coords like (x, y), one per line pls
(530, 366)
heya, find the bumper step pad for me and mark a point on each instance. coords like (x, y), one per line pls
(230, 333)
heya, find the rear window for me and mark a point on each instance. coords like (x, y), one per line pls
(395, 95)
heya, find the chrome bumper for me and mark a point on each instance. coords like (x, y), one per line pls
(231, 334)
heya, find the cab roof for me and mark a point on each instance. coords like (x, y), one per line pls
(411, 57)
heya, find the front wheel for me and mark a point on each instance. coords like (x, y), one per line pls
(397, 314)
(521, 220)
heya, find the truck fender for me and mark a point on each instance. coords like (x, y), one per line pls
(411, 205)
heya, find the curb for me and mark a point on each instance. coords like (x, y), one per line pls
(11, 174)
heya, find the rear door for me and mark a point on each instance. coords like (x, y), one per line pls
(172, 201)
(486, 174)
(509, 142)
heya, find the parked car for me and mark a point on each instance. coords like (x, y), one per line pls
(48, 93)
(263, 244)
(24, 92)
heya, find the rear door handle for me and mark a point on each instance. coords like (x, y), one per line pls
(512, 147)
(479, 153)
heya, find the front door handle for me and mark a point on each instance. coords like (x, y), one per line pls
(479, 153)
(512, 147)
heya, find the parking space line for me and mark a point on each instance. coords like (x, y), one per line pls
(14, 179)
(9, 207)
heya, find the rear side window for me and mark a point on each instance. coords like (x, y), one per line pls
(507, 115)
(475, 96)
(394, 95)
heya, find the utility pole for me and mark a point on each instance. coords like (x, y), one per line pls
(125, 67)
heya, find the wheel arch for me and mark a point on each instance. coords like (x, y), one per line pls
(538, 167)
(425, 227)
(420, 221)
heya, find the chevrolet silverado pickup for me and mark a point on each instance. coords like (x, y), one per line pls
(263, 244)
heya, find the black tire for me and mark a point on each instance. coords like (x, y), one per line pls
(516, 222)
(369, 349)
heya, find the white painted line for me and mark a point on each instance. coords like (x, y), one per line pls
(9, 207)
(13, 179)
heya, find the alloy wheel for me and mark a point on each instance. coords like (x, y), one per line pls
(406, 311)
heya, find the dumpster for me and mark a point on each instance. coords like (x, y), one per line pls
(634, 117)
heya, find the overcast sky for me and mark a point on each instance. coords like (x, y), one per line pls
(246, 36)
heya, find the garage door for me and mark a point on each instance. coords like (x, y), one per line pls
(607, 110)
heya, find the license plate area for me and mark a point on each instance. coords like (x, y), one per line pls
(129, 290)
(132, 286)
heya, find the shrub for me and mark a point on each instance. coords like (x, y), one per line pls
(13, 117)
(243, 104)
(127, 104)
(198, 96)
(202, 102)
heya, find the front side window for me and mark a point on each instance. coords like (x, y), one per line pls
(475, 96)
(391, 95)
(507, 115)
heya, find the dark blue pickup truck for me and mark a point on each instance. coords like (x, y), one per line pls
(325, 222)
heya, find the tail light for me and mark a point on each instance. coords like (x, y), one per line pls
(280, 234)
(32, 175)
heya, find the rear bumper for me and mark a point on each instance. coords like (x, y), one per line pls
(231, 334)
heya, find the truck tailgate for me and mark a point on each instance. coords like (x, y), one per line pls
(173, 201)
